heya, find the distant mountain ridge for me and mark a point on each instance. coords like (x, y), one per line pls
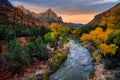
(20, 15)
(14, 15)
(49, 16)
(75, 24)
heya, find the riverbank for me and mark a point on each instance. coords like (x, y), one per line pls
(100, 72)
(41, 69)
(78, 65)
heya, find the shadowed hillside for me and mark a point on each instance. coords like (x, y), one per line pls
(111, 16)
(19, 15)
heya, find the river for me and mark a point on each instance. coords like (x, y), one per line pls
(78, 65)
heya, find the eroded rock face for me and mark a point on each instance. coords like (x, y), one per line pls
(46, 17)
(78, 65)
(12, 15)
(19, 15)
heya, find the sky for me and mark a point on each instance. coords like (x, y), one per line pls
(75, 11)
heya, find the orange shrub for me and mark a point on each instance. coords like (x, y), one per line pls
(108, 49)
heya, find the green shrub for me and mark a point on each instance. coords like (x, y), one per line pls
(38, 48)
(48, 38)
(57, 59)
(117, 40)
(18, 55)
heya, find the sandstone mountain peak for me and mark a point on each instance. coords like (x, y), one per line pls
(49, 10)
(47, 17)
(20, 15)
(20, 6)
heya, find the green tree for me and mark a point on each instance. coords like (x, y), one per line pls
(18, 55)
(58, 33)
(117, 40)
(38, 48)
(48, 38)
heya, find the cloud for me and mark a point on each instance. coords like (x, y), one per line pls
(70, 7)
(104, 1)
(71, 10)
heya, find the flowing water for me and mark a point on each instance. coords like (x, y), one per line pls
(77, 66)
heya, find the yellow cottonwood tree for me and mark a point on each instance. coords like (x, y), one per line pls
(58, 33)
(76, 32)
(98, 36)
(85, 38)
(108, 49)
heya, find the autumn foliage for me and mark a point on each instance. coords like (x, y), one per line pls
(100, 37)
(97, 36)
(108, 49)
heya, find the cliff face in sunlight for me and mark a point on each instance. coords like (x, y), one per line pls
(19, 15)
(49, 16)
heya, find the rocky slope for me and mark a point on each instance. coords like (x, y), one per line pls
(48, 17)
(107, 14)
(14, 15)
(11, 15)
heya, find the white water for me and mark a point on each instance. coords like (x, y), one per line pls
(77, 66)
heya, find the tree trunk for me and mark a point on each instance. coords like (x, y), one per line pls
(56, 43)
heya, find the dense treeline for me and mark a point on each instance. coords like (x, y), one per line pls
(8, 32)
(19, 55)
